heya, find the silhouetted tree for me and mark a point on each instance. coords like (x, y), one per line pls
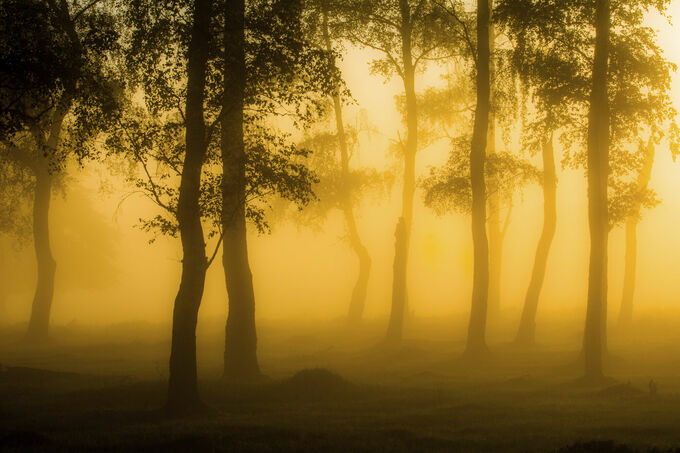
(73, 102)
(345, 194)
(406, 33)
(545, 75)
(480, 51)
(640, 197)
(476, 341)
(169, 57)
(448, 109)
(447, 188)
(152, 137)
(182, 385)
(549, 54)
(342, 187)
(527, 328)
(240, 351)
(275, 73)
(598, 216)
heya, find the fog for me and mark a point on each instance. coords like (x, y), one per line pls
(116, 318)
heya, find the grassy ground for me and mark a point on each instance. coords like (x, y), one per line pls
(104, 386)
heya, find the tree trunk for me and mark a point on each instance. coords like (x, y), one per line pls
(358, 302)
(626, 313)
(598, 216)
(240, 349)
(3, 282)
(526, 334)
(38, 326)
(476, 340)
(403, 230)
(494, 203)
(183, 386)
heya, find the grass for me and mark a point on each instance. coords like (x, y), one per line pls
(94, 391)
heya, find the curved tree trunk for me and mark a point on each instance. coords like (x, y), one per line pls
(594, 343)
(38, 326)
(403, 229)
(183, 386)
(240, 349)
(476, 339)
(358, 302)
(526, 334)
(626, 313)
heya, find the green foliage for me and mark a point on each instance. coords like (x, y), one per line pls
(16, 187)
(448, 188)
(56, 73)
(286, 79)
(448, 113)
(552, 53)
(380, 25)
(333, 190)
(628, 202)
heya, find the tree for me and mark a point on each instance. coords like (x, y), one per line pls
(495, 230)
(546, 75)
(79, 98)
(526, 333)
(171, 64)
(640, 197)
(447, 188)
(176, 155)
(480, 50)
(406, 33)
(552, 53)
(358, 301)
(476, 341)
(342, 187)
(598, 209)
(182, 385)
(449, 109)
(240, 351)
(275, 73)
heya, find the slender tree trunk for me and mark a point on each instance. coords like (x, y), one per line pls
(526, 334)
(358, 302)
(598, 169)
(240, 350)
(494, 202)
(183, 386)
(476, 340)
(3, 305)
(38, 326)
(626, 313)
(403, 229)
(3, 281)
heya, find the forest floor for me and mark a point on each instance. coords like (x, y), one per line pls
(100, 389)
